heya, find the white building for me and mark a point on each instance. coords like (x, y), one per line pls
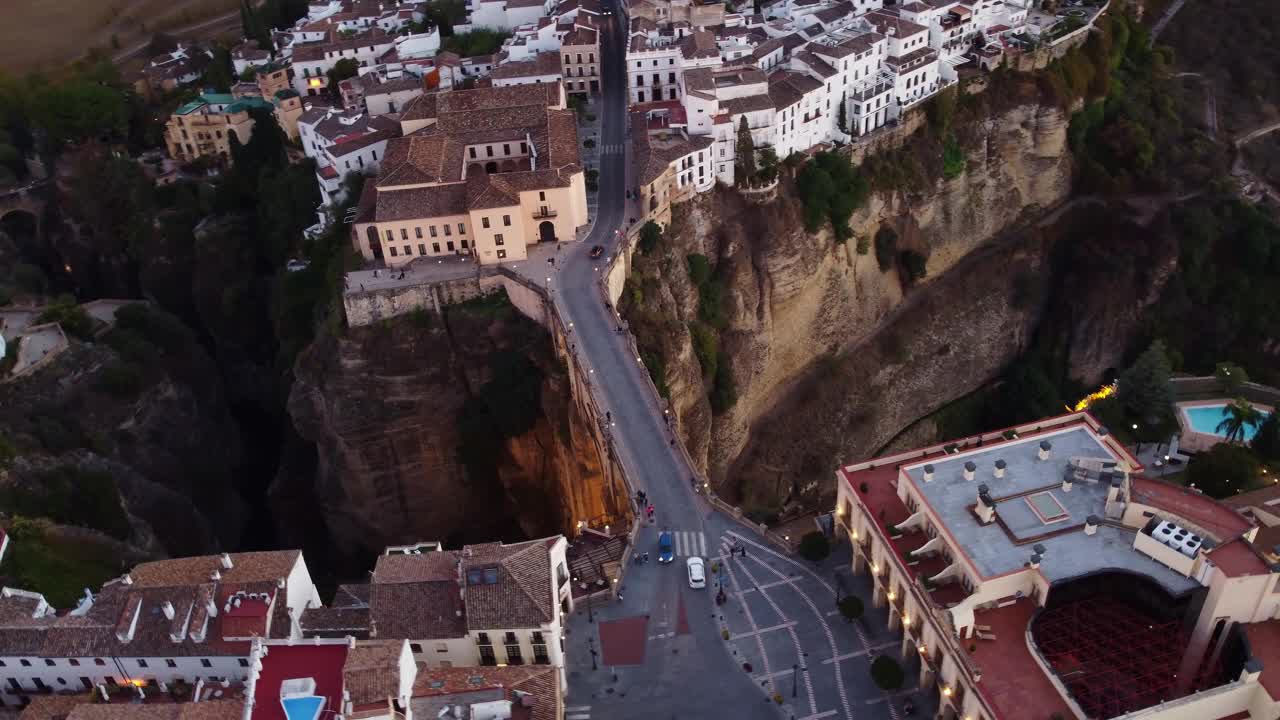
(541, 68)
(486, 605)
(344, 142)
(185, 619)
(313, 61)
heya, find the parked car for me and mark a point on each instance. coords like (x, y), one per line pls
(296, 265)
(665, 552)
(697, 573)
(597, 251)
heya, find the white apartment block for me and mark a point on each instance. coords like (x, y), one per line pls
(790, 76)
(343, 142)
(186, 619)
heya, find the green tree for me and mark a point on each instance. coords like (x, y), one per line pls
(1266, 443)
(1224, 470)
(851, 607)
(745, 153)
(1240, 415)
(1231, 376)
(724, 394)
(887, 673)
(220, 73)
(842, 116)
(1144, 389)
(78, 109)
(814, 546)
(650, 235)
(341, 70)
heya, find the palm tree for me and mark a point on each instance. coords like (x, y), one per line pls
(1239, 414)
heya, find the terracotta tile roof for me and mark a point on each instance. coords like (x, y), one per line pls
(816, 64)
(1260, 497)
(371, 673)
(1238, 559)
(649, 161)
(764, 48)
(750, 103)
(51, 707)
(434, 688)
(204, 710)
(403, 567)
(699, 44)
(579, 36)
(835, 12)
(1214, 517)
(417, 610)
(792, 41)
(335, 622)
(246, 567)
(521, 597)
(884, 21)
(425, 202)
(543, 63)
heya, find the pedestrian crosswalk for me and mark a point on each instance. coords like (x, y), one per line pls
(577, 712)
(612, 148)
(689, 542)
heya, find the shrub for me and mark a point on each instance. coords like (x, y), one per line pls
(1266, 443)
(699, 269)
(657, 368)
(953, 161)
(1224, 470)
(864, 244)
(71, 317)
(887, 673)
(73, 496)
(814, 546)
(724, 633)
(650, 235)
(706, 346)
(55, 436)
(123, 380)
(886, 247)
(588, 143)
(156, 326)
(723, 392)
(851, 607)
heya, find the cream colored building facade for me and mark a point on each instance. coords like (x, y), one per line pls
(204, 126)
(483, 172)
(967, 612)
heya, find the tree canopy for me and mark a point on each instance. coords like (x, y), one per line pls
(1144, 390)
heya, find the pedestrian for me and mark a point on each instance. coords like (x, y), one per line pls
(744, 551)
(608, 415)
(361, 287)
(673, 441)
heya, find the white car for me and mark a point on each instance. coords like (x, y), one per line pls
(697, 573)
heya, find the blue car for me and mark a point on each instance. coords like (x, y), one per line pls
(665, 553)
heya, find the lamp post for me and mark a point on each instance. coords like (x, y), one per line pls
(590, 617)
(795, 674)
(592, 642)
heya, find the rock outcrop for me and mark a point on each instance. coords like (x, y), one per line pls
(457, 429)
(832, 357)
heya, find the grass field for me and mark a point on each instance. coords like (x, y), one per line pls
(39, 34)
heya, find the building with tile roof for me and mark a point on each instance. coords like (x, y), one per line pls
(483, 172)
(203, 127)
(343, 142)
(482, 605)
(1036, 571)
(522, 693)
(182, 619)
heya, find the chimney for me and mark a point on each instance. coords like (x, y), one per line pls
(1039, 549)
(1066, 483)
(215, 575)
(1091, 525)
(928, 473)
(1000, 466)
(1113, 493)
(127, 579)
(167, 608)
(969, 469)
(225, 561)
(986, 508)
(1035, 560)
(1045, 447)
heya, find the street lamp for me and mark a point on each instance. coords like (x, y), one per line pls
(592, 642)
(795, 673)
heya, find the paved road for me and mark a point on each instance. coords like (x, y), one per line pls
(1164, 19)
(779, 614)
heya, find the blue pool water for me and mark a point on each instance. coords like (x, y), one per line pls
(1205, 419)
(302, 708)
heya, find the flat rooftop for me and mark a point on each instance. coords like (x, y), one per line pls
(1033, 509)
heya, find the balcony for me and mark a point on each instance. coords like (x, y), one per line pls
(544, 213)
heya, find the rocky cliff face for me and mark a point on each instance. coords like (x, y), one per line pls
(165, 437)
(456, 429)
(832, 357)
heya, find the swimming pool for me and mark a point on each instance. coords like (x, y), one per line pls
(1205, 419)
(302, 708)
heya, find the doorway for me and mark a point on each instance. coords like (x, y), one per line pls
(375, 246)
(546, 231)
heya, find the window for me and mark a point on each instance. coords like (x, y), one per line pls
(404, 233)
(435, 247)
(171, 663)
(447, 230)
(24, 662)
(487, 657)
(415, 647)
(488, 149)
(566, 58)
(462, 229)
(506, 221)
(417, 232)
(39, 683)
(86, 682)
(49, 662)
(464, 244)
(502, 254)
(449, 246)
(524, 148)
(422, 248)
(473, 152)
(392, 248)
(142, 663)
(99, 661)
(591, 57)
(514, 656)
(204, 662)
(73, 662)
(408, 250)
(62, 681)
(13, 683)
(442, 647)
(497, 240)
(390, 236)
(506, 148)
(671, 77)
(542, 196)
(484, 223)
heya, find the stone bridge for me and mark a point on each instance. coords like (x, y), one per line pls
(29, 198)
